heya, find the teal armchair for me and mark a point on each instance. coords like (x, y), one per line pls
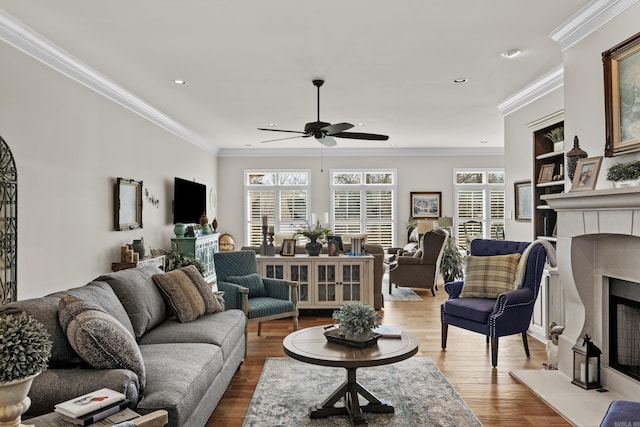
(260, 298)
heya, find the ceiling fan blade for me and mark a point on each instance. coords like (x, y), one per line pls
(327, 141)
(282, 139)
(337, 128)
(281, 130)
(360, 135)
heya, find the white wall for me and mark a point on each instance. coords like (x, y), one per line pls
(518, 155)
(584, 88)
(423, 173)
(70, 144)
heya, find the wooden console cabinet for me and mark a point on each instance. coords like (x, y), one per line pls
(323, 281)
(202, 248)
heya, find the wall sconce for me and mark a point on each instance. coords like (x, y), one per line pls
(586, 364)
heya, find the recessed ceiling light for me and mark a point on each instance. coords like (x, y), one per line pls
(484, 142)
(511, 53)
(271, 125)
(460, 80)
(247, 145)
(179, 82)
(359, 124)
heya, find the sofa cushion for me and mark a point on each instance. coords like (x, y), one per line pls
(140, 297)
(101, 294)
(99, 338)
(179, 377)
(251, 281)
(45, 310)
(187, 293)
(223, 329)
(489, 276)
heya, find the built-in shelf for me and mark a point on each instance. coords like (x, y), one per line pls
(549, 155)
(550, 184)
(543, 207)
(549, 238)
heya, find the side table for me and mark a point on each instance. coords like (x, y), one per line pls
(154, 419)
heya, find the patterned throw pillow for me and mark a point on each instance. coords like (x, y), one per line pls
(97, 337)
(489, 276)
(188, 294)
(251, 281)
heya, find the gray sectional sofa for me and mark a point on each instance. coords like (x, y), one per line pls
(187, 366)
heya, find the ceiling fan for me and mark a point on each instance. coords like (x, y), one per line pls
(325, 132)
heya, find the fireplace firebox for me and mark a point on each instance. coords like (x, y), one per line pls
(624, 327)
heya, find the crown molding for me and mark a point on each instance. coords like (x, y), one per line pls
(587, 20)
(366, 152)
(18, 35)
(551, 81)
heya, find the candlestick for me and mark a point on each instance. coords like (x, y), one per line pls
(264, 220)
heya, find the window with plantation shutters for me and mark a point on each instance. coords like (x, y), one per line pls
(479, 196)
(363, 202)
(281, 196)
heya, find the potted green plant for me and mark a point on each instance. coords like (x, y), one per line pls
(175, 259)
(356, 319)
(625, 174)
(451, 263)
(25, 348)
(556, 136)
(314, 247)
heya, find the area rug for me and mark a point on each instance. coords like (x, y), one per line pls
(416, 388)
(399, 293)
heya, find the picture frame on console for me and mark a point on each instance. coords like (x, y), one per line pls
(621, 66)
(332, 248)
(289, 247)
(586, 174)
(426, 204)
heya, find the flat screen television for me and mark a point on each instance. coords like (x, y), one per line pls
(189, 201)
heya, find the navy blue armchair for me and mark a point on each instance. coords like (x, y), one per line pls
(508, 314)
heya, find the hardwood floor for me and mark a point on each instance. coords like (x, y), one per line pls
(495, 398)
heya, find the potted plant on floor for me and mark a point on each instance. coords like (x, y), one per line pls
(25, 349)
(625, 174)
(451, 264)
(357, 320)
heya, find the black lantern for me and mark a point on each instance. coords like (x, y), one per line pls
(586, 364)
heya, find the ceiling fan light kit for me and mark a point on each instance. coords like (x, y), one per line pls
(325, 132)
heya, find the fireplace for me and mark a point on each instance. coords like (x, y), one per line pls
(597, 250)
(624, 327)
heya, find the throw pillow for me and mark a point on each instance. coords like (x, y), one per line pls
(98, 338)
(489, 276)
(253, 282)
(187, 293)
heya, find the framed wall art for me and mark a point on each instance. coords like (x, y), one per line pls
(127, 204)
(523, 208)
(621, 97)
(426, 204)
(586, 174)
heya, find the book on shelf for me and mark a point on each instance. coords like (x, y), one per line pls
(388, 331)
(89, 402)
(97, 415)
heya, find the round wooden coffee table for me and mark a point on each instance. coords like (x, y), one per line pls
(309, 345)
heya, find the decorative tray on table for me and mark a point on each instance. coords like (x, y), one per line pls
(335, 336)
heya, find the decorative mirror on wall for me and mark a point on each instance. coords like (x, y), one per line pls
(128, 204)
(8, 225)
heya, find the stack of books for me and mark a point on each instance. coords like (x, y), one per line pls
(92, 407)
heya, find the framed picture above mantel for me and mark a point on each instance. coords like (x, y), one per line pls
(621, 66)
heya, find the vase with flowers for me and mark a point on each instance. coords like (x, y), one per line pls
(314, 247)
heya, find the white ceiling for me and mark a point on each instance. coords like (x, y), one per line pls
(387, 64)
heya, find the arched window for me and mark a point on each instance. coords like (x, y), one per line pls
(8, 225)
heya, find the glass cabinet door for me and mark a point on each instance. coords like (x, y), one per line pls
(300, 273)
(351, 282)
(274, 271)
(326, 283)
